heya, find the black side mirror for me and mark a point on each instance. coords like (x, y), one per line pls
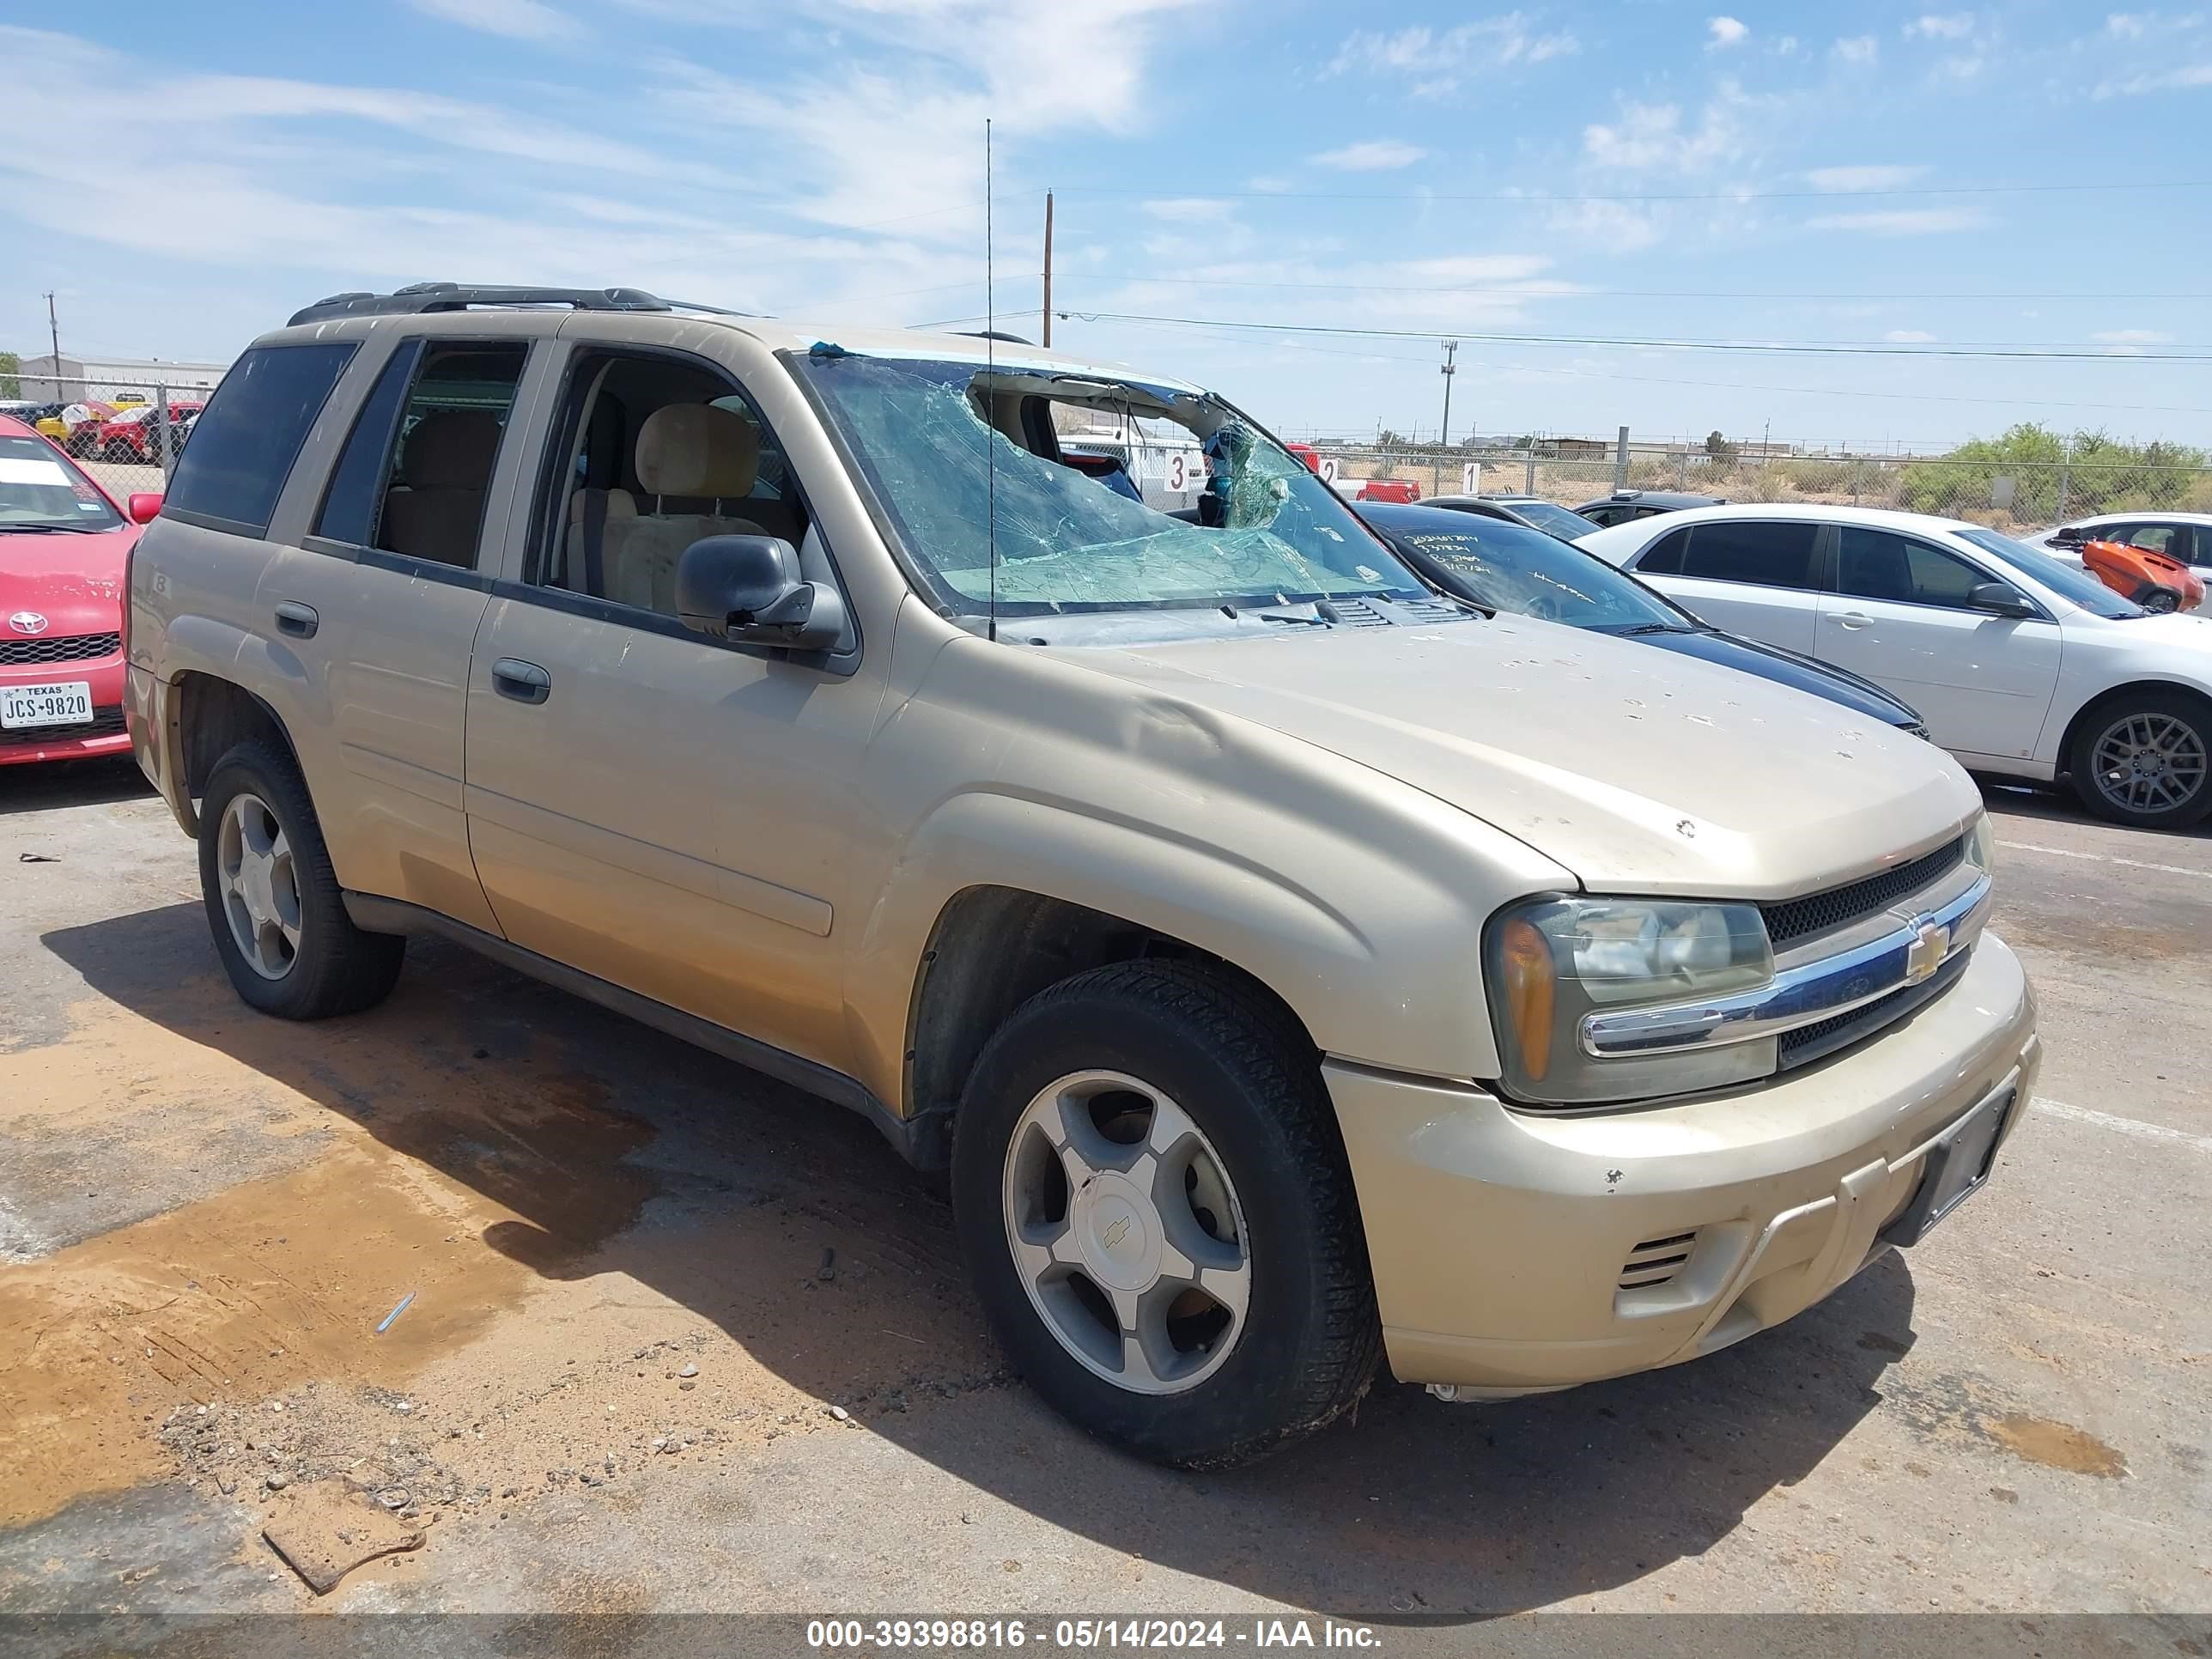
(2072, 536)
(749, 587)
(1999, 599)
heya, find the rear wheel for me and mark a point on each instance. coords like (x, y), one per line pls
(273, 904)
(1154, 1202)
(2147, 761)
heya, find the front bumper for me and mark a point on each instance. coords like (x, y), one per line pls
(1517, 1251)
(101, 735)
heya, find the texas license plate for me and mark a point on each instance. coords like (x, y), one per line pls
(65, 702)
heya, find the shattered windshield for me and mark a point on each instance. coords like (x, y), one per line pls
(1074, 538)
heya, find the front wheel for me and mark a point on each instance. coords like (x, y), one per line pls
(273, 903)
(1154, 1202)
(2147, 761)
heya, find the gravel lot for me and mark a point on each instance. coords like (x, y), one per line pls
(683, 1339)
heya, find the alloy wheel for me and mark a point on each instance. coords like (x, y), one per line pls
(260, 886)
(1125, 1232)
(2149, 762)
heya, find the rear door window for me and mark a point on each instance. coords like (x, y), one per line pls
(245, 441)
(1760, 555)
(1665, 557)
(417, 469)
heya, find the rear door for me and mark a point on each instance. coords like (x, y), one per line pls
(1899, 616)
(371, 603)
(1759, 578)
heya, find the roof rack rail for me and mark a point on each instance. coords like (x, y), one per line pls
(418, 298)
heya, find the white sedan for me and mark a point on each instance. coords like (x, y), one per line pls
(2023, 667)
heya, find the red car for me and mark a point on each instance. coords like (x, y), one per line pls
(129, 436)
(63, 544)
(1404, 491)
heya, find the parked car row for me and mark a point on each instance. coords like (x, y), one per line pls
(122, 429)
(1300, 957)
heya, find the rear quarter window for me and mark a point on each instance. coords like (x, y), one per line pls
(245, 441)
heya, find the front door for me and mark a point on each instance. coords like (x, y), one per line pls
(1900, 616)
(659, 809)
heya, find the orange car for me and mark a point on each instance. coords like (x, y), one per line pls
(2152, 580)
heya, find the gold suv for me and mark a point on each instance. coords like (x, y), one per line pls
(1296, 968)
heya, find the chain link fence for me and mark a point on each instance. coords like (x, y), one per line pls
(2005, 495)
(127, 439)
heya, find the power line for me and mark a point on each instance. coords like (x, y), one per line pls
(1742, 386)
(1542, 199)
(1533, 290)
(1759, 347)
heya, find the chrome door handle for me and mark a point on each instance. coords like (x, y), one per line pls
(297, 619)
(1853, 618)
(525, 681)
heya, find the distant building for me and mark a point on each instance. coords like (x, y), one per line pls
(66, 379)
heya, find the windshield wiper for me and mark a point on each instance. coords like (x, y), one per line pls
(7, 529)
(1657, 628)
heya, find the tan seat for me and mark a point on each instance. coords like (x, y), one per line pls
(691, 450)
(436, 508)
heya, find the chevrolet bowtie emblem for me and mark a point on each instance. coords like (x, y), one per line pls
(1931, 943)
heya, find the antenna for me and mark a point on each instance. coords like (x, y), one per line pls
(991, 398)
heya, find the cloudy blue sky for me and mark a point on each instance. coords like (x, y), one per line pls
(2023, 175)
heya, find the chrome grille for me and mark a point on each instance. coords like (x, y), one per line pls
(1839, 907)
(1810, 1042)
(72, 648)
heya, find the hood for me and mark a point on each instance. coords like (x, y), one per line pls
(74, 581)
(1641, 771)
(1788, 668)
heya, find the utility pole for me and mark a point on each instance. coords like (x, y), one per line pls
(1048, 269)
(1451, 350)
(54, 336)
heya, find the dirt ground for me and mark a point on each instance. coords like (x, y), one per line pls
(564, 1316)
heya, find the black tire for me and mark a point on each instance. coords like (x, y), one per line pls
(1246, 1075)
(338, 968)
(2192, 714)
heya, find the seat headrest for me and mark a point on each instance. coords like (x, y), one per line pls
(697, 449)
(450, 449)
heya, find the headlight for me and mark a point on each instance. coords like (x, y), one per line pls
(1982, 845)
(1552, 961)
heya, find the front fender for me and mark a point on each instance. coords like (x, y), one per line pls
(1379, 957)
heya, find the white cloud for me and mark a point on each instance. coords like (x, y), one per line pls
(1651, 138)
(1723, 31)
(1856, 49)
(1616, 226)
(1941, 25)
(1270, 184)
(1903, 221)
(2130, 336)
(1850, 178)
(515, 19)
(1909, 337)
(1787, 45)
(892, 121)
(1432, 63)
(1189, 210)
(1372, 155)
(2126, 25)
(2190, 75)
